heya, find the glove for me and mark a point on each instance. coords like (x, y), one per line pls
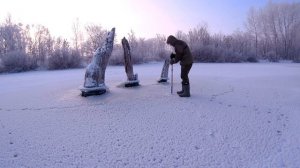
(172, 61)
(172, 55)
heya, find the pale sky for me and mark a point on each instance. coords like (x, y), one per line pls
(145, 17)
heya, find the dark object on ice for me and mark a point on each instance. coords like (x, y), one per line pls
(95, 71)
(132, 79)
(131, 83)
(94, 92)
(182, 54)
(162, 81)
(164, 72)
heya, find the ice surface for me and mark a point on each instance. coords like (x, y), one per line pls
(239, 115)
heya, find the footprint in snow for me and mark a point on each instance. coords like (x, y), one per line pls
(211, 133)
(279, 132)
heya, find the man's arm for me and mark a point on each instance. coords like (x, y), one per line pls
(179, 53)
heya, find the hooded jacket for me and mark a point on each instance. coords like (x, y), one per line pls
(182, 50)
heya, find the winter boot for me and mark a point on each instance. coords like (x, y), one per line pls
(186, 91)
(180, 92)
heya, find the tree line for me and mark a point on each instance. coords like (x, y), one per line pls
(271, 32)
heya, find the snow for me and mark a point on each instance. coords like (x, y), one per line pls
(238, 115)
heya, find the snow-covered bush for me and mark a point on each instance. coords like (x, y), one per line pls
(64, 60)
(63, 57)
(252, 59)
(271, 55)
(204, 54)
(16, 61)
(1, 65)
(117, 57)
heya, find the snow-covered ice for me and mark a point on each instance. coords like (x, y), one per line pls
(239, 115)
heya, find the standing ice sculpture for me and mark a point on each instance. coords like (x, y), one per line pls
(132, 79)
(95, 71)
(164, 72)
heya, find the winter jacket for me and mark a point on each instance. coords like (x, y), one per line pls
(182, 50)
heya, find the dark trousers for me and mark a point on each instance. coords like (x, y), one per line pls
(185, 69)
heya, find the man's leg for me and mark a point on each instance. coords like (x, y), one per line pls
(185, 69)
